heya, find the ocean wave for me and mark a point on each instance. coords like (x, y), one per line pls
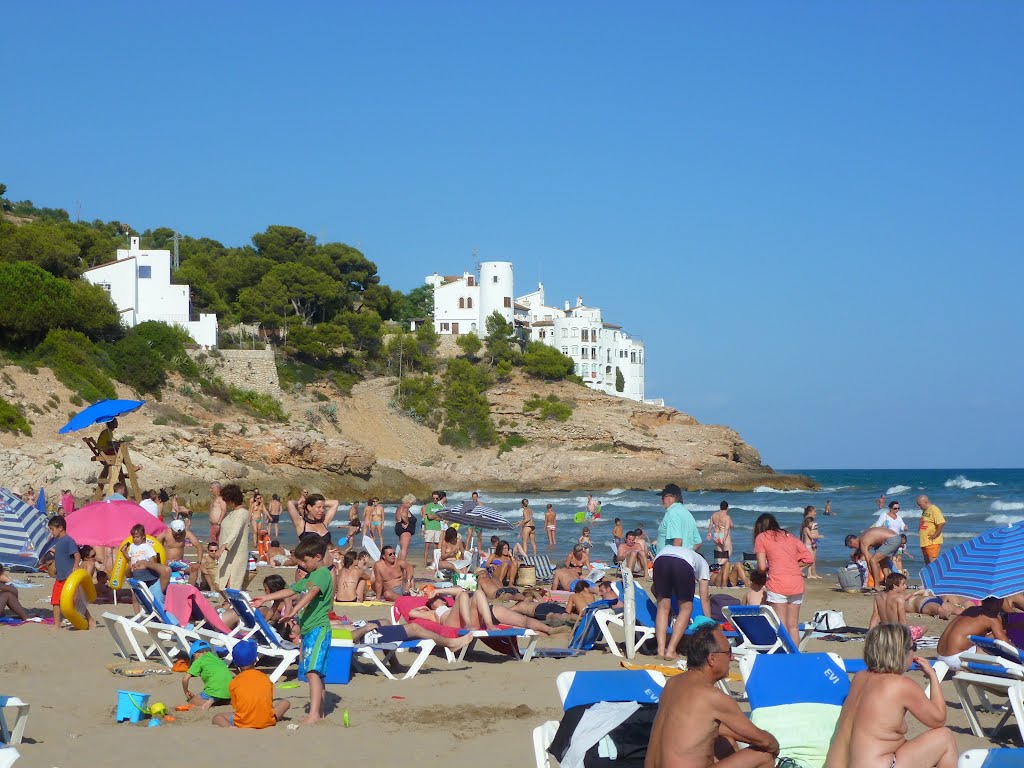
(897, 489)
(1004, 519)
(1008, 506)
(834, 488)
(768, 508)
(961, 482)
(766, 489)
(958, 535)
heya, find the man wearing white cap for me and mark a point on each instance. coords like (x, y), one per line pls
(175, 538)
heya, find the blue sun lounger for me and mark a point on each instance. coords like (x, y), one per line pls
(587, 633)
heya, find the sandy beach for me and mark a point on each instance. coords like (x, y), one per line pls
(458, 714)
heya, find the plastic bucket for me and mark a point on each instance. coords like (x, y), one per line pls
(131, 706)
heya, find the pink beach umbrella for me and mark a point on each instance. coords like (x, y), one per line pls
(108, 523)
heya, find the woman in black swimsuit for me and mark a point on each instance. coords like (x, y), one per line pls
(313, 518)
(405, 525)
(529, 527)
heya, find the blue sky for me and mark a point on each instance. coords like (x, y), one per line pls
(810, 212)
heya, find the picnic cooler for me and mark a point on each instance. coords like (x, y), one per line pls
(527, 576)
(339, 659)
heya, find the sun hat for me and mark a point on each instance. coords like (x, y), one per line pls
(198, 646)
(244, 653)
(177, 526)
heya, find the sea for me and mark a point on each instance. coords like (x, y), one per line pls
(972, 500)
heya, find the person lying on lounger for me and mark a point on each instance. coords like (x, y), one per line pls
(697, 725)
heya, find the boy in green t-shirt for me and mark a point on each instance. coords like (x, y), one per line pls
(214, 673)
(317, 591)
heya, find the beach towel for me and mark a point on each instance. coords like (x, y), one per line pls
(804, 731)
(186, 601)
(624, 746)
(14, 621)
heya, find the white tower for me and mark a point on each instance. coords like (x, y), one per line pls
(496, 292)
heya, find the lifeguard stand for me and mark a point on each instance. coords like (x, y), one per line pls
(117, 466)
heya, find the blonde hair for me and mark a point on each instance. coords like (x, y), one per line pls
(887, 647)
(408, 498)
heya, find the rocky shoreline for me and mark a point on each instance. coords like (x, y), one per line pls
(372, 449)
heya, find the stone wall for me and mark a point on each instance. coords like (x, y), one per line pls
(247, 369)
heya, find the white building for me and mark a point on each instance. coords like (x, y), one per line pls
(598, 349)
(139, 282)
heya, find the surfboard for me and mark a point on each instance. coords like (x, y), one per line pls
(371, 546)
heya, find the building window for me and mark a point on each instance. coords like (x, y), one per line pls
(640, 357)
(470, 282)
(565, 332)
(508, 301)
(542, 333)
(593, 353)
(632, 357)
(145, 272)
(565, 351)
(575, 351)
(494, 279)
(607, 369)
(462, 303)
(585, 335)
(445, 327)
(105, 287)
(469, 303)
(575, 332)
(609, 355)
(585, 369)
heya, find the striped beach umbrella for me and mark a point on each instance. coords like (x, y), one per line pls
(23, 532)
(478, 516)
(989, 565)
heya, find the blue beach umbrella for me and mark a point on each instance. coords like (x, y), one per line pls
(23, 532)
(101, 413)
(989, 565)
(41, 501)
(476, 515)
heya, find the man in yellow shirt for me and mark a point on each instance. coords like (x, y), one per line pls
(932, 523)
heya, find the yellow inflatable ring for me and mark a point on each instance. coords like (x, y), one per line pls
(121, 565)
(79, 579)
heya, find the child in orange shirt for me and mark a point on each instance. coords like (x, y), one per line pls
(252, 694)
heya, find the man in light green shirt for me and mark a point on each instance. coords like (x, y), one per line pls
(431, 526)
(677, 526)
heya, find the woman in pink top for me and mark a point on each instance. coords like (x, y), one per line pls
(782, 554)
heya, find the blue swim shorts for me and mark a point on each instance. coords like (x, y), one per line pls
(315, 645)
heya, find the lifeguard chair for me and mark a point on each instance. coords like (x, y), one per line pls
(117, 467)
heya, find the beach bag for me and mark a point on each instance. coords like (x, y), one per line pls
(828, 621)
(850, 580)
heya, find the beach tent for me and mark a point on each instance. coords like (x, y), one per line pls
(23, 532)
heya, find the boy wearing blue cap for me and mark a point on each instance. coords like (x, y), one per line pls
(252, 694)
(211, 669)
(317, 591)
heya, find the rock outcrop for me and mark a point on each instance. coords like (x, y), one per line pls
(360, 445)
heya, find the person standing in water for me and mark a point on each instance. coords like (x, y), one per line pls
(529, 527)
(550, 525)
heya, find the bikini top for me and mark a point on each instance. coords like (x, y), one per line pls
(325, 536)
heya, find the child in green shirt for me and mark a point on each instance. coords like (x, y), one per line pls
(317, 591)
(212, 670)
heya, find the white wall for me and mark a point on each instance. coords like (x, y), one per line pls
(496, 291)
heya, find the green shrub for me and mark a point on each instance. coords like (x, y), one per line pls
(467, 412)
(12, 420)
(546, 362)
(512, 440)
(344, 381)
(292, 372)
(217, 428)
(318, 395)
(76, 400)
(263, 406)
(620, 380)
(548, 408)
(77, 363)
(420, 397)
(601, 447)
(329, 411)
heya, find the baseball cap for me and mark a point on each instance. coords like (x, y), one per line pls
(244, 653)
(177, 526)
(197, 647)
(672, 489)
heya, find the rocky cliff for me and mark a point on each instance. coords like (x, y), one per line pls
(185, 441)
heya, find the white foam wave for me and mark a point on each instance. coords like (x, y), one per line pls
(766, 489)
(615, 491)
(897, 489)
(1008, 506)
(775, 510)
(958, 535)
(961, 482)
(834, 488)
(1004, 519)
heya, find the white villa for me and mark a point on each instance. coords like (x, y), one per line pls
(139, 282)
(598, 349)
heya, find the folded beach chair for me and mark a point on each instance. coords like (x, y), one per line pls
(581, 688)
(798, 698)
(991, 758)
(643, 627)
(543, 564)
(9, 734)
(255, 627)
(586, 634)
